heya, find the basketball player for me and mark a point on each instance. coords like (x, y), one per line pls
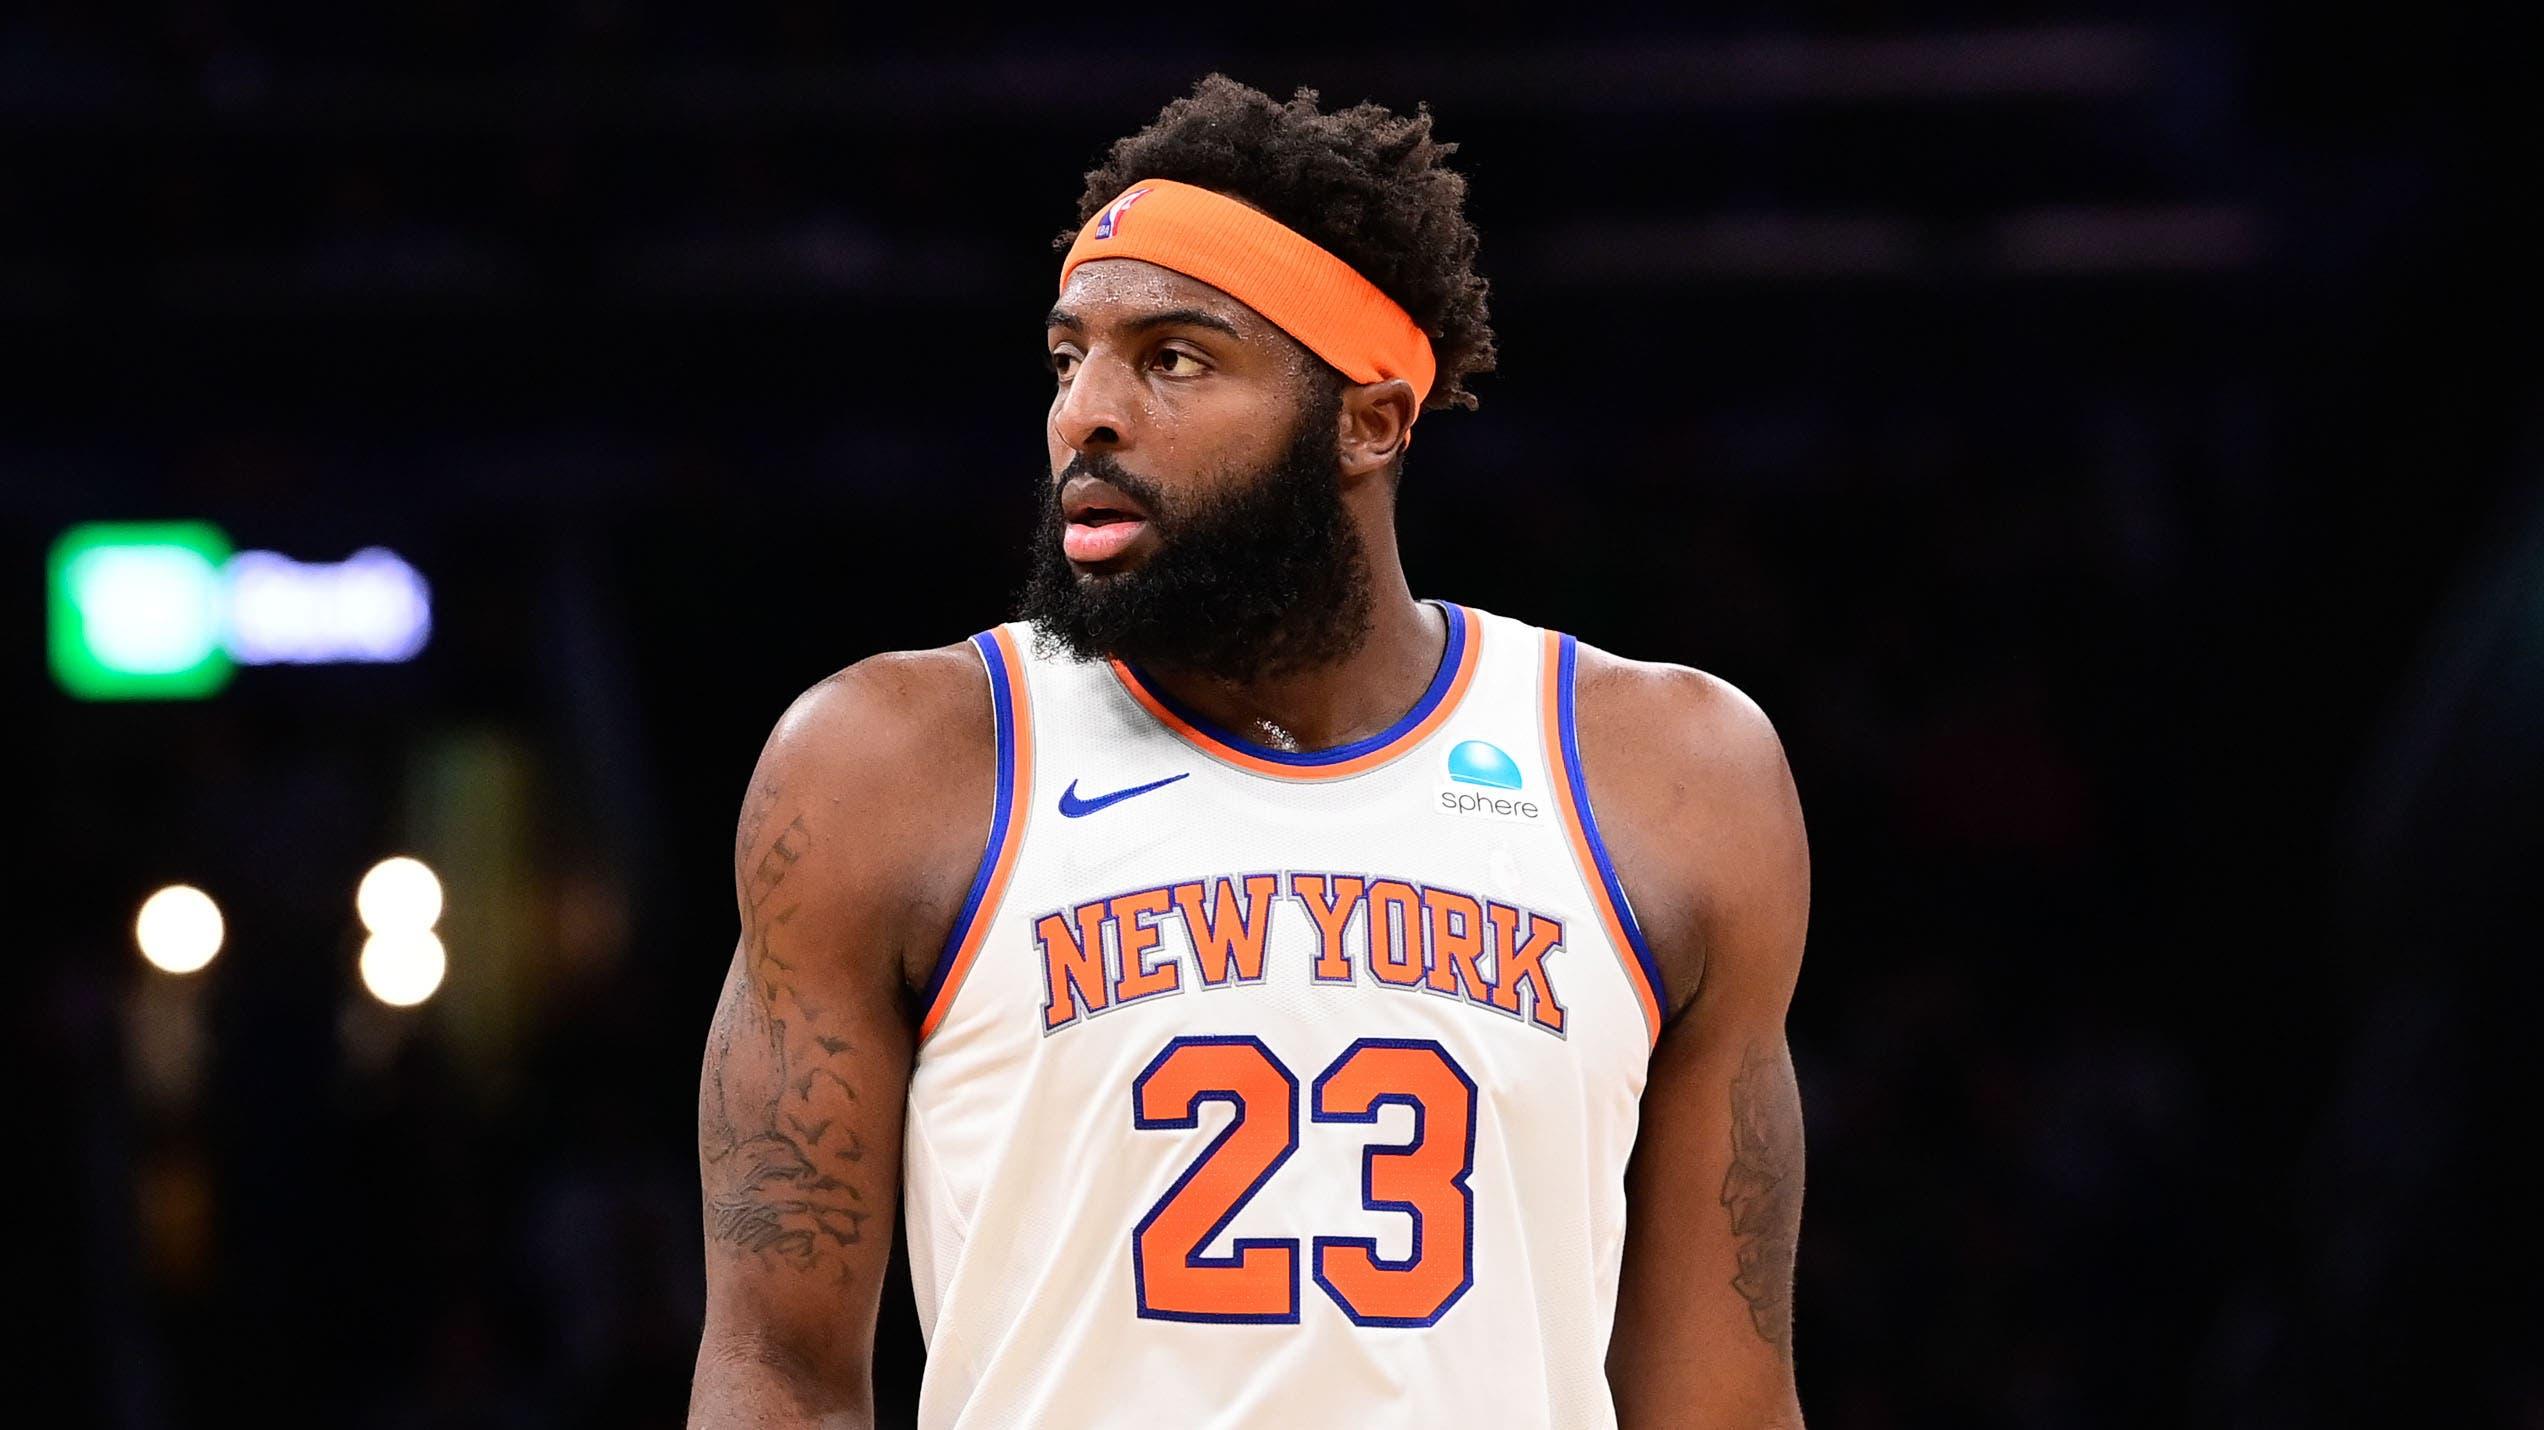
(1276, 1000)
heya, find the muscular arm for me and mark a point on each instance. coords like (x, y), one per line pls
(845, 864)
(1693, 791)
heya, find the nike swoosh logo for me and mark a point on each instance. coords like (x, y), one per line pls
(1072, 807)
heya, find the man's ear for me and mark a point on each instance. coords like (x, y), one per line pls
(1377, 426)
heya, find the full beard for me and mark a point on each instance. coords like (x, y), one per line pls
(1265, 580)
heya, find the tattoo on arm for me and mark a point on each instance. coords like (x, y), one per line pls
(1763, 1189)
(777, 1148)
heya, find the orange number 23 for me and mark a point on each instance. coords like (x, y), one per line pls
(1257, 1281)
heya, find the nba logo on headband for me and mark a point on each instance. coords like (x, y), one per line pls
(1113, 212)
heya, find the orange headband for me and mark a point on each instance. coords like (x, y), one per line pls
(1298, 287)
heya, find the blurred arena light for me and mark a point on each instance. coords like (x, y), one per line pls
(402, 967)
(369, 607)
(136, 610)
(399, 895)
(178, 929)
(164, 610)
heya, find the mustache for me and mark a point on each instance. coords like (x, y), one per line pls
(1102, 467)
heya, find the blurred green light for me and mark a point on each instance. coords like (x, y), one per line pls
(136, 610)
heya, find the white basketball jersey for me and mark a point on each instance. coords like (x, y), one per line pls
(1260, 1088)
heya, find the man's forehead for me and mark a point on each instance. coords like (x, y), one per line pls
(1106, 291)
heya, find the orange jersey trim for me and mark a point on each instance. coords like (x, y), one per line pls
(1574, 801)
(1016, 742)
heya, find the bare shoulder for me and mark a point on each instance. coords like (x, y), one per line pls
(874, 791)
(888, 717)
(1677, 723)
(1695, 801)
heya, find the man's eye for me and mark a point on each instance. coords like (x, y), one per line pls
(1062, 363)
(1167, 358)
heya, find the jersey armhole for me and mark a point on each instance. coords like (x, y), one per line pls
(1011, 711)
(1581, 828)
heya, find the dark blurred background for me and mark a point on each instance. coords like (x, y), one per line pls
(2104, 439)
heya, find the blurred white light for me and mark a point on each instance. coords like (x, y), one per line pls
(403, 966)
(399, 895)
(149, 608)
(372, 606)
(179, 929)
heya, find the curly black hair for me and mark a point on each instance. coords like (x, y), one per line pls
(1369, 186)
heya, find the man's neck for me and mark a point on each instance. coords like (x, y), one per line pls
(1350, 699)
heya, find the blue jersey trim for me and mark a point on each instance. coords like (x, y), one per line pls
(1590, 825)
(1002, 703)
(1438, 690)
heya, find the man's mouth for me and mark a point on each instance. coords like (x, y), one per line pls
(1102, 520)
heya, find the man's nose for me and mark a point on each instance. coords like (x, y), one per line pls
(1092, 414)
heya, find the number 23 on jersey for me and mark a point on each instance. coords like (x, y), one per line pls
(1257, 1280)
